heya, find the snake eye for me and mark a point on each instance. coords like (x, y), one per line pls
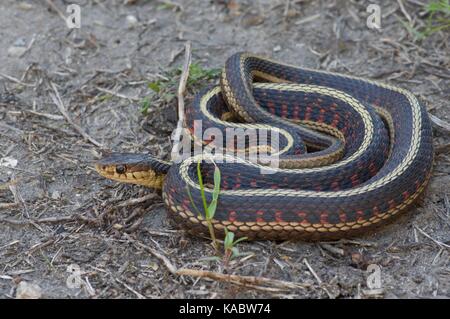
(120, 169)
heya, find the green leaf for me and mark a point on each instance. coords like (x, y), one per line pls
(213, 206)
(439, 6)
(202, 189)
(239, 240)
(155, 86)
(145, 105)
(229, 238)
(192, 200)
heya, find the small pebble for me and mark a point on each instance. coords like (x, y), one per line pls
(277, 48)
(27, 290)
(56, 195)
(16, 52)
(132, 21)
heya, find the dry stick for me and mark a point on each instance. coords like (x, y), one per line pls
(49, 220)
(8, 205)
(180, 97)
(248, 281)
(56, 9)
(122, 96)
(140, 296)
(441, 124)
(135, 201)
(317, 278)
(439, 243)
(242, 280)
(59, 103)
(13, 79)
(46, 115)
(405, 13)
(172, 269)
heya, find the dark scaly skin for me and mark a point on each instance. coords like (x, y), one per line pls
(265, 206)
(290, 217)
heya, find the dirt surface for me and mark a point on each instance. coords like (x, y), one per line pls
(55, 211)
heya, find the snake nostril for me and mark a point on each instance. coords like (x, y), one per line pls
(120, 169)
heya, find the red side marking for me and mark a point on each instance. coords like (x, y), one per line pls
(343, 217)
(405, 195)
(259, 216)
(302, 217)
(308, 113)
(278, 216)
(236, 186)
(375, 210)
(372, 169)
(271, 106)
(232, 216)
(324, 218)
(335, 186)
(321, 116)
(335, 121)
(391, 204)
(354, 179)
(359, 214)
(284, 110)
(274, 186)
(296, 112)
(253, 183)
(186, 203)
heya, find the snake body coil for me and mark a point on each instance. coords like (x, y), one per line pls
(372, 154)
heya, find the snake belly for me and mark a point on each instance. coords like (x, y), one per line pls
(372, 160)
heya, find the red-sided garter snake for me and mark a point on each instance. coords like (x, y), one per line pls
(373, 154)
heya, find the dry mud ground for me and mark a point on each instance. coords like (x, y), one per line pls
(55, 211)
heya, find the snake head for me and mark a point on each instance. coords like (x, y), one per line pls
(141, 169)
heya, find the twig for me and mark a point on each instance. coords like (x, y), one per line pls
(59, 103)
(172, 269)
(29, 46)
(439, 243)
(441, 124)
(117, 94)
(135, 201)
(332, 249)
(48, 220)
(8, 205)
(56, 9)
(317, 278)
(405, 13)
(13, 79)
(140, 296)
(180, 97)
(242, 280)
(46, 115)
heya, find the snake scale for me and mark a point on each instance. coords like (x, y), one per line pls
(351, 154)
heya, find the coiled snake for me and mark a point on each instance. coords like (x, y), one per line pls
(351, 154)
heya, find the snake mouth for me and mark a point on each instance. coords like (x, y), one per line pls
(130, 168)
